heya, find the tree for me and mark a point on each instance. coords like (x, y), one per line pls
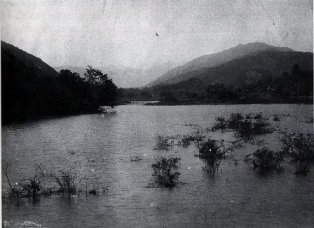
(101, 89)
(94, 76)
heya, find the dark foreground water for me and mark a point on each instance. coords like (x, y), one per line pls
(98, 149)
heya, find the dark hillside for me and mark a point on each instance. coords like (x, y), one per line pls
(250, 69)
(32, 89)
(214, 60)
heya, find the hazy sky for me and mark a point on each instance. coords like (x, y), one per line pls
(123, 33)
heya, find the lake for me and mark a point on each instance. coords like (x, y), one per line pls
(99, 148)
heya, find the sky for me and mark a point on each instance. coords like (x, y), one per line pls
(122, 33)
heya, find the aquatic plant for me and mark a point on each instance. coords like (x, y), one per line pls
(187, 139)
(266, 160)
(235, 120)
(67, 183)
(221, 123)
(15, 189)
(162, 143)
(164, 171)
(32, 186)
(246, 127)
(258, 116)
(300, 148)
(212, 151)
(276, 118)
(25, 188)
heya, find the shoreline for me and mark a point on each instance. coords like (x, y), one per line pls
(308, 102)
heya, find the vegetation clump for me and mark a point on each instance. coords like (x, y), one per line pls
(245, 127)
(162, 143)
(300, 148)
(66, 181)
(248, 128)
(165, 171)
(25, 188)
(235, 120)
(266, 160)
(212, 151)
(276, 118)
(187, 139)
(221, 123)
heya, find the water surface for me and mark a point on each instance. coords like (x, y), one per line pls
(98, 149)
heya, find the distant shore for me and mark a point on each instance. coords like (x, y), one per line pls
(230, 102)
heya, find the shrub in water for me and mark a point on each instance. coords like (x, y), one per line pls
(221, 123)
(235, 120)
(276, 118)
(212, 152)
(267, 160)
(66, 182)
(187, 139)
(245, 127)
(300, 148)
(258, 116)
(164, 171)
(28, 187)
(162, 143)
(248, 128)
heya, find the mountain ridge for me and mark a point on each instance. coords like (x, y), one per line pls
(237, 70)
(216, 59)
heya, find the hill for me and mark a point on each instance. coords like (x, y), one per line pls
(212, 60)
(20, 63)
(250, 69)
(32, 89)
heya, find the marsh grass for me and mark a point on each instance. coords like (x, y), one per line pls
(165, 171)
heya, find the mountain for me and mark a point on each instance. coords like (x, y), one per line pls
(127, 77)
(265, 76)
(250, 69)
(212, 60)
